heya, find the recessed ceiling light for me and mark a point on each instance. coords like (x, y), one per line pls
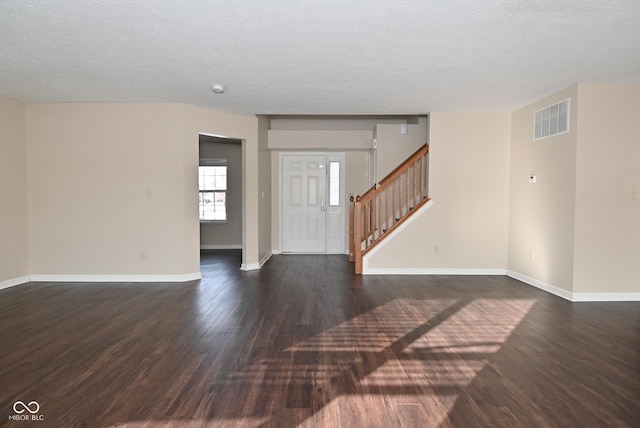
(218, 89)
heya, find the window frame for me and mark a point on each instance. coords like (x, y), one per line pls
(214, 162)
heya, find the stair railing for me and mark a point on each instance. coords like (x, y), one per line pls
(385, 206)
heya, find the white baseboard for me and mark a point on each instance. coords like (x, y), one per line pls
(429, 271)
(256, 266)
(116, 278)
(575, 297)
(265, 258)
(276, 252)
(14, 281)
(560, 292)
(221, 247)
(606, 297)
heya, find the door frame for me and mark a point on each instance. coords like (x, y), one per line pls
(243, 155)
(343, 193)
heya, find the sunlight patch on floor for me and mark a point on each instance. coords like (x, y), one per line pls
(375, 329)
(421, 382)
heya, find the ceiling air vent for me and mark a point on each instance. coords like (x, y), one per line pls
(551, 120)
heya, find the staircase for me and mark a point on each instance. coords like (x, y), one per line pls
(385, 206)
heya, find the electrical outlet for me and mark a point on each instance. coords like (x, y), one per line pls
(634, 192)
(532, 256)
(143, 255)
(436, 250)
(149, 193)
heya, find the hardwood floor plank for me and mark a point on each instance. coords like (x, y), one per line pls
(502, 417)
(305, 342)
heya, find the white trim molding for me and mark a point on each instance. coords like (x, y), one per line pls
(560, 292)
(575, 297)
(14, 281)
(221, 247)
(116, 278)
(606, 297)
(256, 266)
(432, 271)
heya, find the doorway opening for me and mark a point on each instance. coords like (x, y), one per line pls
(220, 179)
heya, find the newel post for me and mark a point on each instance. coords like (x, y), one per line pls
(357, 234)
(351, 231)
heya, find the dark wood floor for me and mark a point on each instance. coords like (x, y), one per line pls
(304, 342)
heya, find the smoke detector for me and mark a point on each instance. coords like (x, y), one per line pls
(218, 89)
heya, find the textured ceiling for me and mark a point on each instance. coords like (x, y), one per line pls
(315, 57)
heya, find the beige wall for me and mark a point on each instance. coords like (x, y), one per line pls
(395, 147)
(225, 234)
(607, 220)
(336, 140)
(334, 123)
(542, 214)
(104, 185)
(275, 202)
(13, 192)
(264, 189)
(357, 173)
(469, 187)
(110, 181)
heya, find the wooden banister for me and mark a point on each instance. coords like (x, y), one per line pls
(368, 192)
(386, 205)
(422, 151)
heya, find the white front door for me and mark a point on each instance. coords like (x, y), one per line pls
(312, 203)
